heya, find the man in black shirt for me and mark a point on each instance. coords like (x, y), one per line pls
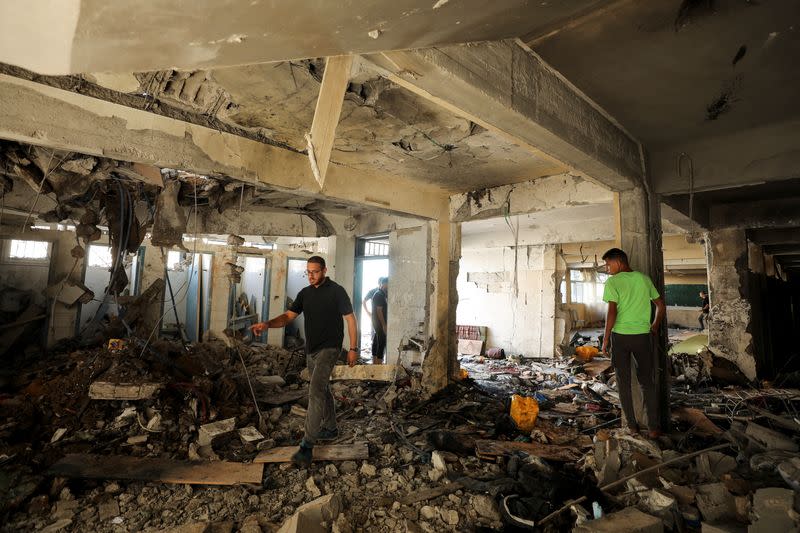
(704, 314)
(324, 303)
(379, 317)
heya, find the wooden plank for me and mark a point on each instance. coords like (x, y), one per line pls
(364, 372)
(103, 390)
(148, 469)
(329, 108)
(333, 452)
(487, 449)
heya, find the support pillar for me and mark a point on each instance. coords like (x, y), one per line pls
(441, 365)
(153, 267)
(730, 326)
(638, 222)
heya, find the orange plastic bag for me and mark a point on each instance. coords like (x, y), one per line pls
(524, 411)
(462, 374)
(586, 353)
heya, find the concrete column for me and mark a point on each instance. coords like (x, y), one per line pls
(638, 221)
(62, 320)
(440, 365)
(731, 316)
(220, 291)
(153, 268)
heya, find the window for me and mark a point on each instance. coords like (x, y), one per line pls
(586, 286)
(29, 249)
(173, 260)
(99, 256)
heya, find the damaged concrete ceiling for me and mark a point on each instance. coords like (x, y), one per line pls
(125, 36)
(382, 127)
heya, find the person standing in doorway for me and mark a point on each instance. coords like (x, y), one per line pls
(703, 318)
(633, 337)
(324, 304)
(380, 315)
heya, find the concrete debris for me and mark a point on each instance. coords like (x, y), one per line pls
(170, 221)
(208, 432)
(175, 417)
(773, 510)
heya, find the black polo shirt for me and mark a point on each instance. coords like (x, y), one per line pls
(324, 307)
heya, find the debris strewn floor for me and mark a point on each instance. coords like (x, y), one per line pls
(168, 439)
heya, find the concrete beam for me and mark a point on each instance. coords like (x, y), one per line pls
(544, 194)
(748, 157)
(77, 36)
(55, 118)
(507, 88)
(777, 213)
(774, 236)
(327, 112)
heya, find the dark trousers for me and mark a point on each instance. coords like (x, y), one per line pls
(637, 351)
(321, 411)
(378, 344)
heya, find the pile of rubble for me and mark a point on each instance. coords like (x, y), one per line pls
(197, 438)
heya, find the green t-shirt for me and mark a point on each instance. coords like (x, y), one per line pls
(633, 292)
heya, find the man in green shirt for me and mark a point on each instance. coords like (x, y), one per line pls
(633, 336)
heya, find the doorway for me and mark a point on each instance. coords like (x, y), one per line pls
(372, 263)
(296, 280)
(96, 276)
(249, 299)
(187, 296)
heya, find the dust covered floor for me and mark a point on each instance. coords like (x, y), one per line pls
(457, 461)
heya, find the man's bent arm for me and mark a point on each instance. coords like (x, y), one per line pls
(611, 319)
(352, 332)
(277, 322)
(366, 309)
(661, 311)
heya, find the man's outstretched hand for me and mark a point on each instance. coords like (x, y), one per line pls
(352, 357)
(259, 328)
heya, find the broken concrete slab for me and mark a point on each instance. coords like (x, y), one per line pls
(208, 432)
(103, 390)
(715, 503)
(773, 511)
(630, 520)
(366, 372)
(88, 466)
(250, 434)
(309, 518)
(770, 439)
(333, 452)
(169, 223)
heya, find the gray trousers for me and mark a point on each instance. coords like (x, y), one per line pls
(321, 411)
(637, 351)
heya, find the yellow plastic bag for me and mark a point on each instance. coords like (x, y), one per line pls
(524, 411)
(586, 353)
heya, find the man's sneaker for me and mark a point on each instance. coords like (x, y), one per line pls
(302, 457)
(328, 434)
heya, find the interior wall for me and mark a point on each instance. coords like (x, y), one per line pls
(520, 315)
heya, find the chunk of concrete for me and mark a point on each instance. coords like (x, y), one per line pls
(716, 504)
(208, 432)
(309, 518)
(772, 508)
(630, 520)
(770, 439)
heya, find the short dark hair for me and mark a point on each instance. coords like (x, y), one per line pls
(318, 260)
(616, 253)
(381, 281)
(703, 292)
